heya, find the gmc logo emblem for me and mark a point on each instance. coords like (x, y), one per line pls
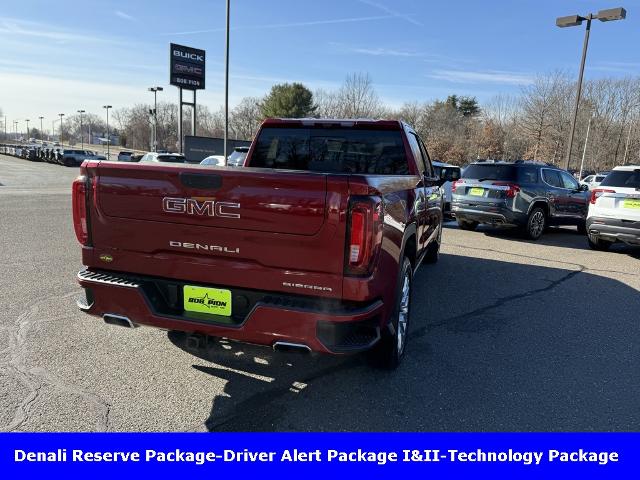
(206, 208)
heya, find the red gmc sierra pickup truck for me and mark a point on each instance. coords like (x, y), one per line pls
(311, 245)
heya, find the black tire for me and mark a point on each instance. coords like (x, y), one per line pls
(598, 243)
(536, 223)
(388, 352)
(433, 250)
(582, 228)
(467, 225)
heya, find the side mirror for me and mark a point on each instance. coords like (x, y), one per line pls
(449, 174)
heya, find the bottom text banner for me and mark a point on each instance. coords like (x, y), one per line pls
(377, 455)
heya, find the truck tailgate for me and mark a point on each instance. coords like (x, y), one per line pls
(280, 203)
(258, 228)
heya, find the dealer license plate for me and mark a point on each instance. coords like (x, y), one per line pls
(476, 191)
(631, 203)
(214, 301)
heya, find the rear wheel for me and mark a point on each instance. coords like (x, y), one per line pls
(598, 243)
(467, 225)
(536, 223)
(390, 349)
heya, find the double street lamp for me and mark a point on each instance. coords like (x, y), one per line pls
(107, 107)
(573, 21)
(154, 140)
(81, 135)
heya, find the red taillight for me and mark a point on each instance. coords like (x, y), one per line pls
(357, 242)
(596, 193)
(365, 235)
(79, 204)
(512, 189)
(455, 184)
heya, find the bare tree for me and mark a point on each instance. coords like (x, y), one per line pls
(536, 105)
(328, 104)
(357, 97)
(245, 118)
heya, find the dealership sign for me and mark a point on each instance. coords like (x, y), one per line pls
(186, 67)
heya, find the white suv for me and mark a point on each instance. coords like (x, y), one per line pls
(592, 181)
(614, 210)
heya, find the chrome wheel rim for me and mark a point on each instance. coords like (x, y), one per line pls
(537, 223)
(403, 314)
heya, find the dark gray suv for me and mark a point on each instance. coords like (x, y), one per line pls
(527, 195)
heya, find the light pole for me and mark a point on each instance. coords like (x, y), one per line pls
(41, 129)
(226, 86)
(572, 21)
(584, 150)
(27, 120)
(15, 129)
(154, 141)
(61, 139)
(81, 137)
(107, 107)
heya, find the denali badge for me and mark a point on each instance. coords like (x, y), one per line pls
(191, 206)
(200, 246)
(308, 287)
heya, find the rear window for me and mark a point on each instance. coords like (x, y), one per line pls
(491, 172)
(171, 158)
(622, 178)
(331, 150)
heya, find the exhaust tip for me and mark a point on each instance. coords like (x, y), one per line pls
(118, 320)
(291, 347)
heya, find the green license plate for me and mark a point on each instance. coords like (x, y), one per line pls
(476, 191)
(631, 203)
(207, 300)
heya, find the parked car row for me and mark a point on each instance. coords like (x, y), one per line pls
(532, 196)
(50, 154)
(53, 153)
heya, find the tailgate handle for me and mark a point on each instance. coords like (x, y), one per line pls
(202, 181)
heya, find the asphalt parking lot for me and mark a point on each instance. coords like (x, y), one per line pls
(507, 335)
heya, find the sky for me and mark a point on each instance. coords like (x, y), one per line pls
(58, 57)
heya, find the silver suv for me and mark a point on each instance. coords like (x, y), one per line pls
(73, 158)
(526, 195)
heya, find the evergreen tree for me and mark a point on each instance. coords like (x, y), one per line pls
(288, 100)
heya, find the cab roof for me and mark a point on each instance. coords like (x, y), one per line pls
(333, 123)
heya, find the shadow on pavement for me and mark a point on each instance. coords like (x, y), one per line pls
(494, 346)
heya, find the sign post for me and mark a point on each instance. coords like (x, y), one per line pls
(187, 72)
